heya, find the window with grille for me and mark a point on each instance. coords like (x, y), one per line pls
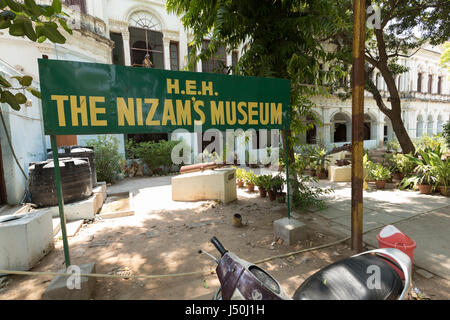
(174, 61)
(217, 62)
(144, 41)
(79, 3)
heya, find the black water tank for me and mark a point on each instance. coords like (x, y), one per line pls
(76, 181)
(78, 152)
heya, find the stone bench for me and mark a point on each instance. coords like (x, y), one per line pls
(217, 184)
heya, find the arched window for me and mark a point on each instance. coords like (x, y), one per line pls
(419, 82)
(430, 125)
(419, 126)
(440, 124)
(430, 83)
(439, 85)
(146, 40)
(341, 127)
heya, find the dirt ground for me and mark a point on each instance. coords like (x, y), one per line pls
(167, 242)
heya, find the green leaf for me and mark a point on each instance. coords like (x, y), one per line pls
(52, 33)
(63, 23)
(5, 24)
(24, 81)
(14, 6)
(56, 5)
(7, 15)
(34, 92)
(41, 39)
(33, 7)
(48, 11)
(10, 99)
(29, 31)
(17, 29)
(4, 82)
(20, 98)
(2, 4)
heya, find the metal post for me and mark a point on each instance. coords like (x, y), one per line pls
(287, 174)
(359, 17)
(59, 193)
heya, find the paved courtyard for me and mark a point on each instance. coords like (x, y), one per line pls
(427, 220)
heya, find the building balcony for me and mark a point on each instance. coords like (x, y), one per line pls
(414, 95)
(79, 20)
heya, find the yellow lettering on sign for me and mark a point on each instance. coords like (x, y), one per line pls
(191, 87)
(275, 113)
(184, 112)
(252, 112)
(75, 110)
(94, 111)
(168, 113)
(240, 106)
(173, 86)
(217, 114)
(125, 111)
(197, 105)
(149, 120)
(140, 121)
(231, 114)
(60, 105)
(207, 88)
(264, 113)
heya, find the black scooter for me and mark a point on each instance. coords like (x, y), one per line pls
(366, 276)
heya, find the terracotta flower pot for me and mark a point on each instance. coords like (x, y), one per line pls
(272, 195)
(240, 183)
(445, 191)
(250, 187)
(380, 184)
(425, 188)
(262, 192)
(281, 197)
(312, 173)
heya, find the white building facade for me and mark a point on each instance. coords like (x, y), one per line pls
(125, 31)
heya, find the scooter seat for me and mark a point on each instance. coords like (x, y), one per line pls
(365, 277)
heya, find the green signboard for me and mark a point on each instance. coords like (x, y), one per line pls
(91, 98)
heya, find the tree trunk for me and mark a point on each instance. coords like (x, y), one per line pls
(293, 180)
(401, 133)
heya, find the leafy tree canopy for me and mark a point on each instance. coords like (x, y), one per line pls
(36, 22)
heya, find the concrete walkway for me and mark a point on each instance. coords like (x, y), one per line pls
(428, 220)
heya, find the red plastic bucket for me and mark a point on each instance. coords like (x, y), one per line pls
(391, 237)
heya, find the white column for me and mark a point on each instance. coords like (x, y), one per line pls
(166, 42)
(326, 134)
(126, 47)
(380, 133)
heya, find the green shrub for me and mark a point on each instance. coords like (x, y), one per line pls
(107, 157)
(446, 133)
(154, 154)
(379, 172)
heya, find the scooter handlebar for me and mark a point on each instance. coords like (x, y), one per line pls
(218, 246)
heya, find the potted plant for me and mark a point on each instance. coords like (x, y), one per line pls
(277, 185)
(425, 178)
(249, 180)
(380, 174)
(319, 159)
(260, 182)
(441, 171)
(240, 174)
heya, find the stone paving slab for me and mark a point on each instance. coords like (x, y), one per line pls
(431, 232)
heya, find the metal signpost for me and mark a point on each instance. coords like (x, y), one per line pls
(91, 98)
(359, 26)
